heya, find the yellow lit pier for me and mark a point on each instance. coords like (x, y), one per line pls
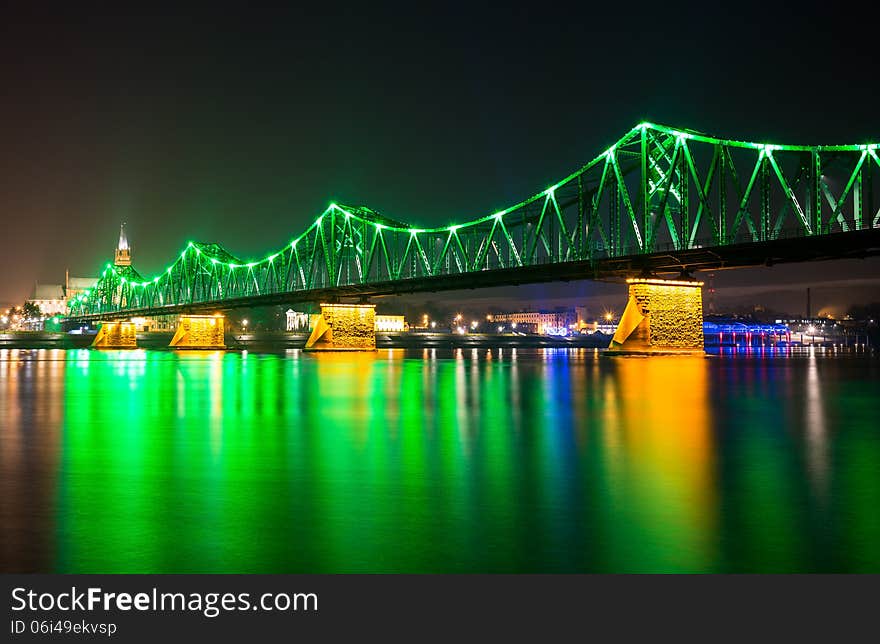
(661, 317)
(344, 327)
(199, 332)
(116, 335)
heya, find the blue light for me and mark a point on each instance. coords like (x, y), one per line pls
(734, 332)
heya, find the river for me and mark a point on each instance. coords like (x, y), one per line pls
(438, 460)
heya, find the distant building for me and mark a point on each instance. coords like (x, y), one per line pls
(581, 317)
(297, 321)
(53, 298)
(50, 298)
(122, 259)
(122, 256)
(74, 286)
(544, 322)
(157, 323)
(390, 323)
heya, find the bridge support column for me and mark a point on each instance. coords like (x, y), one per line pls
(199, 332)
(116, 335)
(661, 317)
(343, 327)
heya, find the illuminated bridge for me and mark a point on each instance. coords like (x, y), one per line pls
(659, 201)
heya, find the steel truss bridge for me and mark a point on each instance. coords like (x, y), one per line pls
(659, 200)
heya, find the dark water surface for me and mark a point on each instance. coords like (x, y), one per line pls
(514, 460)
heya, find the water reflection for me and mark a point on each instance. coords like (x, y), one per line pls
(661, 466)
(431, 460)
(817, 430)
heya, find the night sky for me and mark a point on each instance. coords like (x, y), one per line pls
(239, 125)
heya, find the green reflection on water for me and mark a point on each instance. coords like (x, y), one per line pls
(501, 460)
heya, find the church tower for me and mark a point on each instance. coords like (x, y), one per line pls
(123, 252)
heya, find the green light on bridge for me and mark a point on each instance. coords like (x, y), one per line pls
(610, 175)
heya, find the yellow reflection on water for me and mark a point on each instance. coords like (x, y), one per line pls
(661, 466)
(345, 384)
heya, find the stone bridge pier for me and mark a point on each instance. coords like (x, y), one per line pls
(116, 334)
(199, 332)
(661, 317)
(343, 327)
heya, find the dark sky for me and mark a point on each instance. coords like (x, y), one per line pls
(240, 125)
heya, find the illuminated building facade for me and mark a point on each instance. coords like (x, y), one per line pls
(297, 321)
(543, 322)
(390, 323)
(50, 298)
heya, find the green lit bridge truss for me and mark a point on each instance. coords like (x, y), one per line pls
(659, 200)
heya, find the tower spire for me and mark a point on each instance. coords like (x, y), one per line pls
(123, 252)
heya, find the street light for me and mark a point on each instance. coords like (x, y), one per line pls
(244, 324)
(609, 316)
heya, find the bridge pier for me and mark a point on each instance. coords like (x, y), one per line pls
(344, 327)
(199, 332)
(116, 334)
(661, 317)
